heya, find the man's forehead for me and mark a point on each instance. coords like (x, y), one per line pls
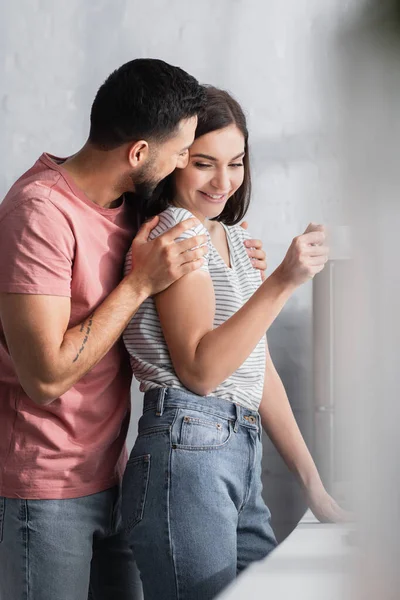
(187, 126)
(185, 137)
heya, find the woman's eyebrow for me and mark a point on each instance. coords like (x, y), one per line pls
(239, 155)
(208, 157)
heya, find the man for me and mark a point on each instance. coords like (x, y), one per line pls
(65, 227)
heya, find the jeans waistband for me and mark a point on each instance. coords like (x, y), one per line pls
(162, 398)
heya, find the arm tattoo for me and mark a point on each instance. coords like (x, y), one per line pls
(85, 327)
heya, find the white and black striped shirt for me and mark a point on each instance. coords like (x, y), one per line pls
(143, 337)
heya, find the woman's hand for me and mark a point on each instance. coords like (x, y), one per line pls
(324, 507)
(306, 256)
(255, 251)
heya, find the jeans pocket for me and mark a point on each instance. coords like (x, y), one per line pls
(134, 490)
(2, 515)
(201, 431)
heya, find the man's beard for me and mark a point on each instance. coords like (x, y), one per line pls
(144, 198)
(144, 184)
(144, 190)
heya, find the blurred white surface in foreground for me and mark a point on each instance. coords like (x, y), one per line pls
(311, 564)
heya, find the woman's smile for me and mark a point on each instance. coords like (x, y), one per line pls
(215, 198)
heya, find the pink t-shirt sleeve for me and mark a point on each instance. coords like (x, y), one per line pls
(36, 250)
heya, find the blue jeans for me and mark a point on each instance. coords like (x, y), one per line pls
(191, 495)
(57, 549)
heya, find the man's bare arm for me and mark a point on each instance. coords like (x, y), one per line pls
(48, 357)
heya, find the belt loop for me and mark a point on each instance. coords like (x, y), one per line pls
(160, 402)
(236, 426)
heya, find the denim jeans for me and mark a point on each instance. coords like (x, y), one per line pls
(56, 549)
(191, 495)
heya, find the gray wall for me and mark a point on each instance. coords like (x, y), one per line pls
(276, 57)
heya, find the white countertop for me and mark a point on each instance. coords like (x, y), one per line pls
(311, 564)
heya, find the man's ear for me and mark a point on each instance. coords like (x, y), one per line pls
(138, 153)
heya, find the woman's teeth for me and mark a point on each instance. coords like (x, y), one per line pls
(214, 196)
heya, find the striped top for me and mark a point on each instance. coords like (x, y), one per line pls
(143, 337)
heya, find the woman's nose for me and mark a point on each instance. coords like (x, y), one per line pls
(221, 181)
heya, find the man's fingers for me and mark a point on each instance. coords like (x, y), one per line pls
(253, 244)
(193, 242)
(258, 254)
(193, 254)
(194, 265)
(244, 224)
(177, 230)
(261, 265)
(144, 232)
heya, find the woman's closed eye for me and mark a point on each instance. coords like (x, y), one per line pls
(201, 165)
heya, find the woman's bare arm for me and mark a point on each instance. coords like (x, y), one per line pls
(280, 424)
(203, 357)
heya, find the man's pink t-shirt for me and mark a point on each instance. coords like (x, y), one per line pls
(55, 241)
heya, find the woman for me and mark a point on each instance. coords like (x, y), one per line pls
(192, 500)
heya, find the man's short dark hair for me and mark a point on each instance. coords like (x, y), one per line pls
(144, 99)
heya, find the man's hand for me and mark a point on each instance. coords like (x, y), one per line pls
(306, 256)
(158, 263)
(256, 253)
